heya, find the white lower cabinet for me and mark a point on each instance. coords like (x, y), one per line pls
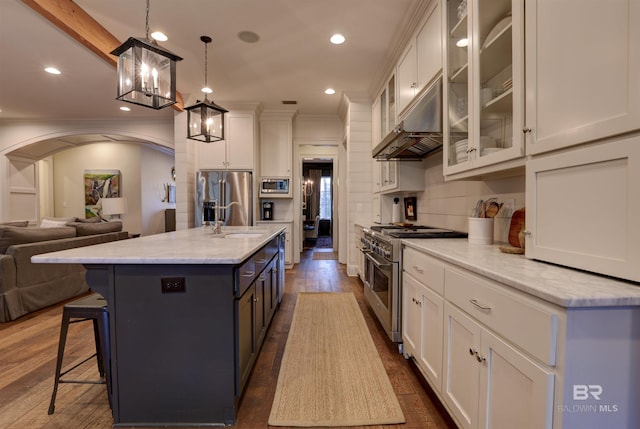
(422, 335)
(501, 358)
(515, 392)
(462, 332)
(461, 372)
(488, 383)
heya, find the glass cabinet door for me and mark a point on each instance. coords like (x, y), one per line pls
(391, 94)
(458, 81)
(494, 84)
(484, 87)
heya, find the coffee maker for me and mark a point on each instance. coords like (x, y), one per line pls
(267, 210)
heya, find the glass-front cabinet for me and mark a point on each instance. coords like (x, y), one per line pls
(484, 63)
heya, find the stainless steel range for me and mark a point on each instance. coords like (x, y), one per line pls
(381, 245)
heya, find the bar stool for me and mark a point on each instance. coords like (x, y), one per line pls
(92, 307)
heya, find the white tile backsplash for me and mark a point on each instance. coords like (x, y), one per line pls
(448, 204)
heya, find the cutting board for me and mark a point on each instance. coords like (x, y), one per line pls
(517, 225)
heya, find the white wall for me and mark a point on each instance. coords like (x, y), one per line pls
(359, 177)
(155, 173)
(143, 171)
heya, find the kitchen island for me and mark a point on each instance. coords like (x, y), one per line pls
(188, 314)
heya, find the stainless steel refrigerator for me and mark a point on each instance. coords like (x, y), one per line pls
(225, 187)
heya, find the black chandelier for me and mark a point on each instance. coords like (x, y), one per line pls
(146, 72)
(205, 119)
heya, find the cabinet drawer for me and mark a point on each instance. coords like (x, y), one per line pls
(428, 270)
(264, 255)
(519, 319)
(245, 274)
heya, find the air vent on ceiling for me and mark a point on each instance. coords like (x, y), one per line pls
(289, 102)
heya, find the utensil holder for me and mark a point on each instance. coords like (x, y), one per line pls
(480, 230)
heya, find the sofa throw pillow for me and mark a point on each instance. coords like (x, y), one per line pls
(10, 235)
(83, 229)
(21, 223)
(51, 222)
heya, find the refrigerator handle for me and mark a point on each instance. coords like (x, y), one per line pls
(219, 214)
(223, 200)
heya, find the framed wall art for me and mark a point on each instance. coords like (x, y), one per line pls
(99, 184)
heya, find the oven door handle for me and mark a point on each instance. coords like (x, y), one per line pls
(376, 263)
(365, 251)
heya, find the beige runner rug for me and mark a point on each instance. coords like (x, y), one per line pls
(331, 373)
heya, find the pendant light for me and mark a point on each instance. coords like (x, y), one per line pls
(205, 119)
(146, 72)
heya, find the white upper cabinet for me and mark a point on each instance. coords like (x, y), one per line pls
(407, 77)
(429, 48)
(567, 195)
(483, 87)
(276, 143)
(236, 151)
(422, 60)
(583, 71)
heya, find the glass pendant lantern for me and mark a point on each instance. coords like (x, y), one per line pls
(205, 119)
(146, 72)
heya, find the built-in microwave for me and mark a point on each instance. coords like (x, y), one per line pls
(275, 187)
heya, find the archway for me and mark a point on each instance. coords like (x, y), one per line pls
(36, 187)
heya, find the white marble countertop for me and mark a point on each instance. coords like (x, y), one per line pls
(191, 246)
(565, 287)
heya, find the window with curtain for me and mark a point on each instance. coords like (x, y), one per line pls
(325, 197)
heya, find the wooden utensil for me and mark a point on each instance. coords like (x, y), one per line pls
(517, 225)
(492, 209)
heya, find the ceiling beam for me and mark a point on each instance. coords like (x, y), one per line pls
(73, 20)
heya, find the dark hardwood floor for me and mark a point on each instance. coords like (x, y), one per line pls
(28, 350)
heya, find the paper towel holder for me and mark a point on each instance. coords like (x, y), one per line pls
(395, 213)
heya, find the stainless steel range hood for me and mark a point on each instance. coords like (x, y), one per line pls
(419, 134)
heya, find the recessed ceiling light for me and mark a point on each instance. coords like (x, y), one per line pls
(207, 90)
(337, 39)
(329, 91)
(462, 43)
(248, 36)
(52, 70)
(125, 109)
(159, 36)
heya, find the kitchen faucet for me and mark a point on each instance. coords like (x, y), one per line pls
(217, 215)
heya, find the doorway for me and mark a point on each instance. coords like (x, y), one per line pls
(317, 203)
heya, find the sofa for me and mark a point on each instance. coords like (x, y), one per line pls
(26, 287)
